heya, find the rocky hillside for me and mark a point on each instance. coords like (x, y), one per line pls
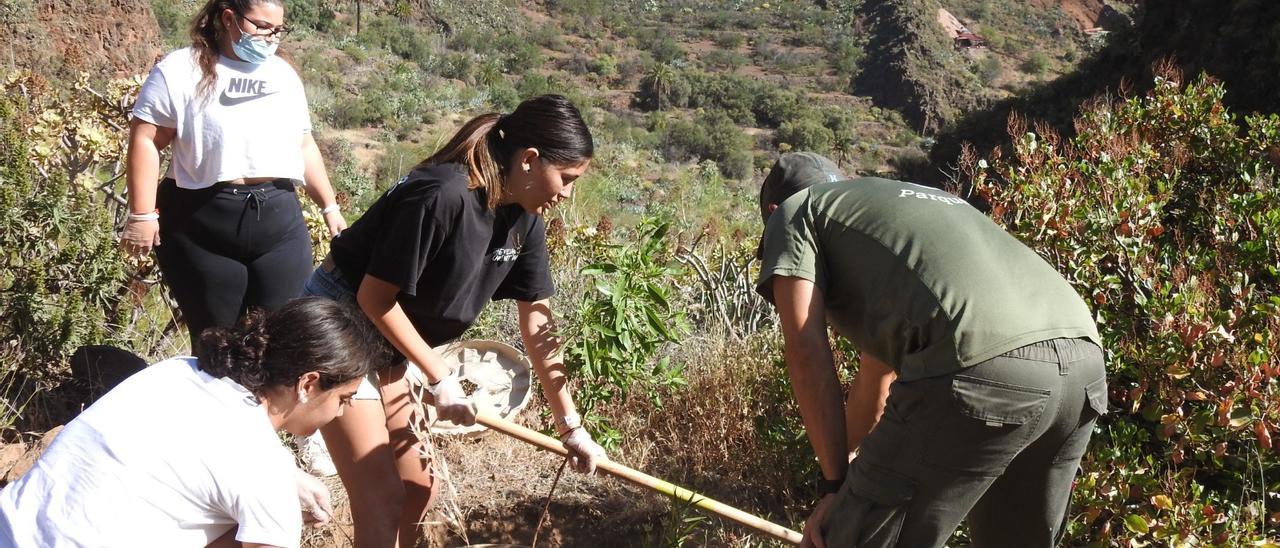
(914, 65)
(1235, 42)
(61, 37)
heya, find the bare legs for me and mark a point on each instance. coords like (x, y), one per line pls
(377, 455)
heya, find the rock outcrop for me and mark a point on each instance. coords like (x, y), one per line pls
(61, 37)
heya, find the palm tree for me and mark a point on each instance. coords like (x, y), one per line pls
(657, 83)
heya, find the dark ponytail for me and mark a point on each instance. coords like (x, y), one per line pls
(206, 37)
(307, 334)
(486, 143)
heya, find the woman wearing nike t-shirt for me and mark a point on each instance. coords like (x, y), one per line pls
(464, 227)
(225, 222)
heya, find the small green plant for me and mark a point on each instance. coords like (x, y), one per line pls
(681, 526)
(1037, 63)
(622, 324)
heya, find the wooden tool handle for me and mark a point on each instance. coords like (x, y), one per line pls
(642, 479)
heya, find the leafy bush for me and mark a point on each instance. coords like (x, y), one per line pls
(403, 39)
(62, 279)
(1164, 213)
(623, 323)
(990, 69)
(805, 134)
(847, 54)
(310, 14)
(1037, 63)
(729, 40)
(604, 66)
(712, 136)
(172, 18)
(774, 106)
(352, 185)
(726, 60)
(665, 50)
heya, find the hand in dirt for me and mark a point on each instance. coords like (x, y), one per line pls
(584, 452)
(313, 497)
(452, 404)
(138, 237)
(813, 525)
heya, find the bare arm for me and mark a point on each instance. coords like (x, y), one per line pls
(146, 140)
(866, 400)
(142, 161)
(318, 187)
(812, 370)
(377, 298)
(538, 331)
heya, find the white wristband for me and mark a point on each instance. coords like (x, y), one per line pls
(569, 422)
(144, 216)
(331, 209)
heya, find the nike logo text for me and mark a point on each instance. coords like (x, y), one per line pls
(251, 89)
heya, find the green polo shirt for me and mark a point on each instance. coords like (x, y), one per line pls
(917, 277)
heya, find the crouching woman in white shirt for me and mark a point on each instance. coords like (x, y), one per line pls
(187, 452)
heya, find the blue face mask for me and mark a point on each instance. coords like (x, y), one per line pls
(254, 51)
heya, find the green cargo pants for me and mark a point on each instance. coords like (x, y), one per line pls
(998, 443)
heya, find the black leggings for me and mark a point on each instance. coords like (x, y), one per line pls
(229, 247)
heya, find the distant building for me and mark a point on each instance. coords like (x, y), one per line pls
(965, 39)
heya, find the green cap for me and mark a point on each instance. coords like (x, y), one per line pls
(792, 173)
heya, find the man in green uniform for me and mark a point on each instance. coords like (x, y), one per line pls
(981, 373)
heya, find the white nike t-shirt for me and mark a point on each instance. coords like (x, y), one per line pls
(251, 124)
(171, 457)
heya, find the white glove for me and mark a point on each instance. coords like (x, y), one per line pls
(140, 235)
(335, 223)
(313, 497)
(452, 404)
(584, 452)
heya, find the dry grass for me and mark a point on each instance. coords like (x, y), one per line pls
(703, 438)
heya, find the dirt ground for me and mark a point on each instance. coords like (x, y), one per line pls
(494, 493)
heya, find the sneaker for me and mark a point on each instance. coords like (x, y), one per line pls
(315, 455)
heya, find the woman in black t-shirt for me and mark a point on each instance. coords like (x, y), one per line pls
(464, 227)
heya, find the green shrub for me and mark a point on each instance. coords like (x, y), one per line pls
(1164, 212)
(403, 39)
(846, 54)
(806, 134)
(173, 17)
(623, 323)
(535, 83)
(665, 50)
(521, 55)
(604, 66)
(729, 40)
(352, 185)
(310, 14)
(62, 278)
(774, 107)
(1037, 63)
(726, 60)
(990, 69)
(713, 136)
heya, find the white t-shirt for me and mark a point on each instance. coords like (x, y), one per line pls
(170, 457)
(251, 124)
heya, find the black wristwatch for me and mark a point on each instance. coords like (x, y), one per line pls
(824, 486)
